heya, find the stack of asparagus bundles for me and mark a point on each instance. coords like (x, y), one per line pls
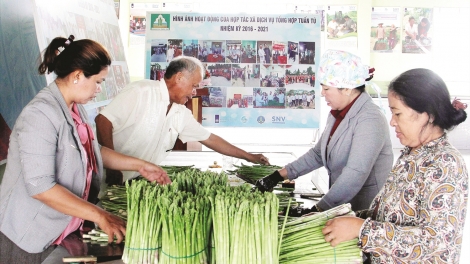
(171, 223)
(199, 218)
(302, 241)
(114, 199)
(245, 226)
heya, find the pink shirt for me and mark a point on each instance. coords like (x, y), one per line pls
(86, 136)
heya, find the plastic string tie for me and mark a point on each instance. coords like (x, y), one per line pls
(378, 90)
(143, 248)
(334, 253)
(185, 257)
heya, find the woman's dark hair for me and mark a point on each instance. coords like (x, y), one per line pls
(425, 92)
(427, 26)
(64, 56)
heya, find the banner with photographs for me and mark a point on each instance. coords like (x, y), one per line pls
(89, 19)
(262, 67)
(417, 30)
(341, 27)
(385, 29)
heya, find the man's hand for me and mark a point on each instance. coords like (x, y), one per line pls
(258, 159)
(267, 183)
(154, 173)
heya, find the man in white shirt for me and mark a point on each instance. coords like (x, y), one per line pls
(332, 28)
(146, 117)
(281, 97)
(270, 97)
(170, 53)
(411, 29)
(259, 99)
(309, 99)
(261, 54)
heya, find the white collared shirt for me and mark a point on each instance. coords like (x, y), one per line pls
(141, 127)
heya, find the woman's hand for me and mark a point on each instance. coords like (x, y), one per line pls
(113, 226)
(342, 229)
(154, 173)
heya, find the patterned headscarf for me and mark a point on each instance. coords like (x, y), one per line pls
(342, 69)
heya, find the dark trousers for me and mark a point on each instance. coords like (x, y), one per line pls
(12, 254)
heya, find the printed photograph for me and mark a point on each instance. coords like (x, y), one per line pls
(216, 98)
(300, 99)
(212, 51)
(264, 52)
(280, 51)
(174, 49)
(417, 30)
(293, 51)
(307, 52)
(190, 47)
(341, 22)
(158, 50)
(239, 97)
(157, 70)
(221, 74)
(272, 75)
(233, 52)
(248, 51)
(269, 97)
(385, 29)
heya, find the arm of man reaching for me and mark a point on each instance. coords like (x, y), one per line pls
(220, 145)
(114, 162)
(104, 134)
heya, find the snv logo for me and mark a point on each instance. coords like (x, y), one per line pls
(278, 119)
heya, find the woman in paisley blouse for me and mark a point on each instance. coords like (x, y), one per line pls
(419, 215)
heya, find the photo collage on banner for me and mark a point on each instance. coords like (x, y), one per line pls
(417, 30)
(262, 68)
(341, 27)
(385, 29)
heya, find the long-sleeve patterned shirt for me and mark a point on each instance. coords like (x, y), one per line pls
(419, 215)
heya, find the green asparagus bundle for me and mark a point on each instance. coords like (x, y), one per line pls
(144, 223)
(186, 225)
(115, 198)
(96, 236)
(175, 169)
(285, 200)
(253, 173)
(244, 226)
(115, 201)
(301, 240)
(171, 223)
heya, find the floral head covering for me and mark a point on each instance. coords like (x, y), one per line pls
(342, 69)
